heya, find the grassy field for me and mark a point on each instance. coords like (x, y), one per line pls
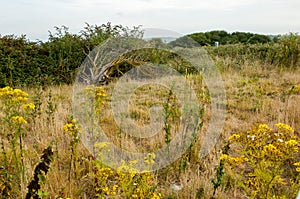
(256, 94)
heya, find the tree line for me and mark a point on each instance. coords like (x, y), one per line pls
(23, 62)
(223, 37)
(28, 63)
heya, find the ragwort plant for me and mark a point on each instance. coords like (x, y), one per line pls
(73, 130)
(126, 181)
(265, 163)
(94, 99)
(15, 110)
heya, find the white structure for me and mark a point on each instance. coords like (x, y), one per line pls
(216, 44)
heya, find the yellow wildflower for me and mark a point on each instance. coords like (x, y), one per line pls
(263, 128)
(29, 106)
(234, 137)
(237, 160)
(297, 164)
(149, 159)
(115, 187)
(68, 127)
(13, 95)
(292, 143)
(105, 189)
(284, 126)
(271, 150)
(156, 196)
(19, 120)
(224, 157)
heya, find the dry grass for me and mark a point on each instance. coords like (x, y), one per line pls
(255, 94)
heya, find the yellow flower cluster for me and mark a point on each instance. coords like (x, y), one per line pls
(104, 173)
(19, 120)
(72, 128)
(29, 106)
(233, 161)
(156, 196)
(263, 128)
(149, 159)
(110, 192)
(282, 126)
(266, 152)
(271, 151)
(297, 165)
(13, 95)
(234, 137)
(99, 91)
(293, 145)
(96, 95)
(62, 198)
(224, 157)
(94, 91)
(125, 170)
(128, 180)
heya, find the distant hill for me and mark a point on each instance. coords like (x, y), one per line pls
(163, 39)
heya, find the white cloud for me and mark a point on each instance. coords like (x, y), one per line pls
(36, 17)
(167, 4)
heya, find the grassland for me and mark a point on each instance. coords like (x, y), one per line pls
(256, 93)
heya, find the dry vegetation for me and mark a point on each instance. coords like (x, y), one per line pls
(256, 94)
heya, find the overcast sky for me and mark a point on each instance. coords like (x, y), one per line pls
(36, 17)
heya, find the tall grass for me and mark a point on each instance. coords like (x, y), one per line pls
(256, 94)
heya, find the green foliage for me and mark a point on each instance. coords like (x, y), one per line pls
(221, 36)
(15, 111)
(66, 53)
(264, 53)
(289, 52)
(55, 61)
(124, 182)
(26, 63)
(72, 128)
(22, 62)
(284, 54)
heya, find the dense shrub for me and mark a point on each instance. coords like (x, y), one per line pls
(285, 54)
(55, 61)
(221, 36)
(27, 63)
